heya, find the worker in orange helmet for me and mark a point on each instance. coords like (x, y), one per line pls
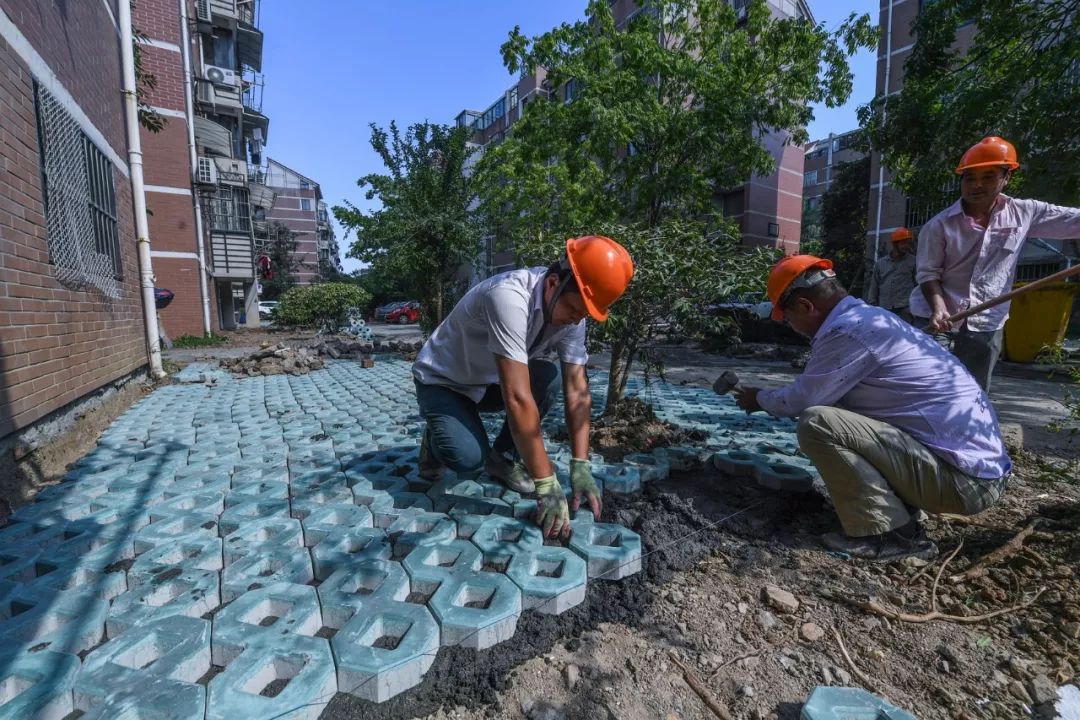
(893, 277)
(493, 352)
(968, 254)
(890, 419)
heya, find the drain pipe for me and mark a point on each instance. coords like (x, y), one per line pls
(884, 115)
(189, 104)
(138, 190)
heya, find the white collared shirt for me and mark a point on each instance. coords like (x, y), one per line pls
(502, 315)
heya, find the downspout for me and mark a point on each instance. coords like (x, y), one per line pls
(185, 54)
(138, 190)
(884, 115)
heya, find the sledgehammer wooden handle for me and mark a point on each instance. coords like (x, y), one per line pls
(1061, 275)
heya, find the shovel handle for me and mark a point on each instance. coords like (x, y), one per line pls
(992, 302)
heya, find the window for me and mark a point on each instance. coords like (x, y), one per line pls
(812, 203)
(810, 178)
(305, 185)
(774, 229)
(229, 210)
(571, 90)
(492, 114)
(513, 98)
(305, 204)
(79, 195)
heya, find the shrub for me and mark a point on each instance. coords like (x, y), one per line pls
(197, 341)
(322, 304)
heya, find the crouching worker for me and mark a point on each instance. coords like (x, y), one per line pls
(493, 352)
(892, 421)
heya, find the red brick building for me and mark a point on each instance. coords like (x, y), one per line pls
(71, 318)
(298, 205)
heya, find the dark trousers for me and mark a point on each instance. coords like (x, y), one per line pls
(977, 351)
(455, 432)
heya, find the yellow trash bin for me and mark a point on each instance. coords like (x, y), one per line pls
(1038, 319)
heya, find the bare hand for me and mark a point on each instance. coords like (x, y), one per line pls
(746, 398)
(940, 321)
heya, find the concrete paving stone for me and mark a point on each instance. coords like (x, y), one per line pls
(277, 472)
(191, 593)
(372, 493)
(781, 476)
(37, 685)
(308, 502)
(503, 536)
(245, 491)
(188, 552)
(58, 508)
(616, 478)
(306, 664)
(258, 508)
(175, 648)
(276, 609)
(467, 523)
(651, 466)
(214, 482)
(738, 463)
(343, 546)
(270, 565)
(436, 563)
(167, 531)
(154, 698)
(332, 517)
(54, 621)
(324, 477)
(257, 535)
(610, 551)
(385, 652)
(75, 576)
(552, 579)
(411, 530)
(209, 502)
(355, 587)
(476, 610)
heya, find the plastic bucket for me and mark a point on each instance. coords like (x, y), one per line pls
(1038, 319)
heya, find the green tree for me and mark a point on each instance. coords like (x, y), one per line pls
(844, 210)
(810, 236)
(1019, 78)
(423, 232)
(280, 247)
(644, 126)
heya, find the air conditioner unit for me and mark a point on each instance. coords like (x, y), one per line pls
(202, 11)
(206, 172)
(220, 75)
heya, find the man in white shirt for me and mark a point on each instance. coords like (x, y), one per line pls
(492, 353)
(968, 253)
(893, 277)
(891, 420)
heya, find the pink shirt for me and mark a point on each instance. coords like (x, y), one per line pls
(975, 264)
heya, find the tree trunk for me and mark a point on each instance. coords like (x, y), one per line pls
(438, 302)
(622, 357)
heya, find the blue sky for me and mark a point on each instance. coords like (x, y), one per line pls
(334, 66)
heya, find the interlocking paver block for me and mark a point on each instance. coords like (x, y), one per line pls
(334, 517)
(412, 529)
(192, 593)
(439, 561)
(176, 648)
(189, 552)
(257, 535)
(154, 698)
(502, 536)
(781, 476)
(58, 622)
(270, 565)
(611, 552)
(77, 576)
(211, 503)
(385, 652)
(37, 685)
(357, 586)
(275, 609)
(237, 516)
(345, 546)
(552, 579)
(170, 530)
(476, 610)
(305, 663)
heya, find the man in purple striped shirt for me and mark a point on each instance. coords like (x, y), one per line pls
(892, 421)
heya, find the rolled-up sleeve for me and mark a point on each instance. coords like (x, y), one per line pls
(837, 363)
(572, 346)
(1053, 222)
(930, 257)
(507, 312)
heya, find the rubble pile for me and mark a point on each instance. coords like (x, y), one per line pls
(277, 359)
(343, 346)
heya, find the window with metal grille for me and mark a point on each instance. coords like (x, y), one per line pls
(79, 195)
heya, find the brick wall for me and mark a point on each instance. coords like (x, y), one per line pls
(287, 210)
(56, 344)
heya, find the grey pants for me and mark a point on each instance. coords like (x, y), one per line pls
(876, 473)
(977, 351)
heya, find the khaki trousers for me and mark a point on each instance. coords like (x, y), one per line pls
(877, 474)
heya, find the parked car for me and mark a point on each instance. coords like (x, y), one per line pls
(406, 314)
(382, 310)
(266, 308)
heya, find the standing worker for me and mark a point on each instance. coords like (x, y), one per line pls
(890, 419)
(491, 353)
(968, 253)
(893, 277)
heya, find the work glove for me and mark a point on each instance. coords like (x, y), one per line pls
(552, 516)
(582, 483)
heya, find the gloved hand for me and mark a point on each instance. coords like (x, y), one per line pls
(582, 483)
(552, 515)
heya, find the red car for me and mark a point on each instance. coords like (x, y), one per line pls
(404, 315)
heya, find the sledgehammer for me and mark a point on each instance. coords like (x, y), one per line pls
(727, 382)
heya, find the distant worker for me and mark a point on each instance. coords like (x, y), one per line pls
(890, 419)
(893, 277)
(968, 253)
(492, 353)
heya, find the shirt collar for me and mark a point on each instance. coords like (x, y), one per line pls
(834, 317)
(957, 208)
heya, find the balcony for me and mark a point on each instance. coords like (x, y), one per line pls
(220, 94)
(231, 172)
(231, 256)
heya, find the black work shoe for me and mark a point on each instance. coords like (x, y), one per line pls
(430, 468)
(886, 547)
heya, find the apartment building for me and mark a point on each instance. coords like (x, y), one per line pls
(298, 204)
(768, 208)
(206, 56)
(71, 315)
(822, 157)
(889, 207)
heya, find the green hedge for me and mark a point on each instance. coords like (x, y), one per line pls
(318, 304)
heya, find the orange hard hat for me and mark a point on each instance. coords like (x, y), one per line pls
(989, 152)
(786, 272)
(901, 234)
(602, 268)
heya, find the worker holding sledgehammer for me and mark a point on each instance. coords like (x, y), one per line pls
(892, 420)
(493, 352)
(968, 253)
